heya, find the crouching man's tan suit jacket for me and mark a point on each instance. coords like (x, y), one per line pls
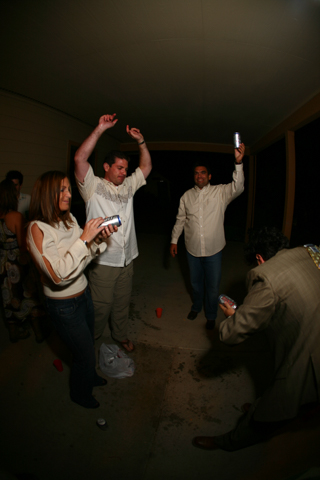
(283, 296)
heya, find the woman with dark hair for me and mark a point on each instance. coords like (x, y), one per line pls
(18, 286)
(61, 251)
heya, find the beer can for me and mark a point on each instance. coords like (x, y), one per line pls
(236, 139)
(225, 299)
(114, 220)
(101, 423)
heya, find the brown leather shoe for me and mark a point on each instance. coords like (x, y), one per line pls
(207, 443)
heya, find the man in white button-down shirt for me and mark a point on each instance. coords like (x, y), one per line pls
(201, 216)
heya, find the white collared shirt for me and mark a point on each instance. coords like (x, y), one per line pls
(201, 215)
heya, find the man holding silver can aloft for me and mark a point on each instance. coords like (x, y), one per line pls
(201, 216)
(110, 278)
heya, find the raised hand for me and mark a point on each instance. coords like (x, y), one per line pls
(108, 121)
(135, 134)
(239, 153)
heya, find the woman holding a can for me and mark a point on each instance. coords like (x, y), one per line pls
(61, 251)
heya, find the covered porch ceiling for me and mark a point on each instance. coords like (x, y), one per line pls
(183, 71)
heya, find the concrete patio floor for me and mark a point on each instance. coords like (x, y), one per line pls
(186, 383)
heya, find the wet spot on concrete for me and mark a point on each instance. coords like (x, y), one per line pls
(237, 408)
(150, 325)
(175, 420)
(216, 367)
(133, 313)
(208, 418)
(155, 422)
(181, 366)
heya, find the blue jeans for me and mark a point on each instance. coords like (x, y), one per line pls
(74, 322)
(205, 276)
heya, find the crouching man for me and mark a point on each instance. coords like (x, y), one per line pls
(283, 296)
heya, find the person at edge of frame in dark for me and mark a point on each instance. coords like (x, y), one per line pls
(283, 297)
(23, 198)
(20, 299)
(201, 216)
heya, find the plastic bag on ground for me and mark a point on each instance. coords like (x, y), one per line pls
(114, 362)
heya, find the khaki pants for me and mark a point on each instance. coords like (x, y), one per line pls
(111, 293)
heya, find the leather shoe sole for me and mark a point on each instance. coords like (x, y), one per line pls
(192, 315)
(206, 443)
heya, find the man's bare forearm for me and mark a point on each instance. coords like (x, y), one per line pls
(87, 147)
(145, 160)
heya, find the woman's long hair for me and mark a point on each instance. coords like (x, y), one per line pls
(8, 197)
(44, 204)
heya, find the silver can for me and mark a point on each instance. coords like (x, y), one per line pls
(114, 220)
(236, 139)
(224, 299)
(101, 423)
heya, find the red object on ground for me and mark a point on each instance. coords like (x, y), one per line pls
(58, 364)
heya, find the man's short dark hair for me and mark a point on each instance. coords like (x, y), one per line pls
(202, 164)
(265, 241)
(111, 157)
(13, 175)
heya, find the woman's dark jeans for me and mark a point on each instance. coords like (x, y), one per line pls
(74, 322)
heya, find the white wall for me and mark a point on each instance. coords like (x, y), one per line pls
(35, 138)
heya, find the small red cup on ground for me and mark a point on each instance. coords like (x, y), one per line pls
(58, 364)
(159, 312)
